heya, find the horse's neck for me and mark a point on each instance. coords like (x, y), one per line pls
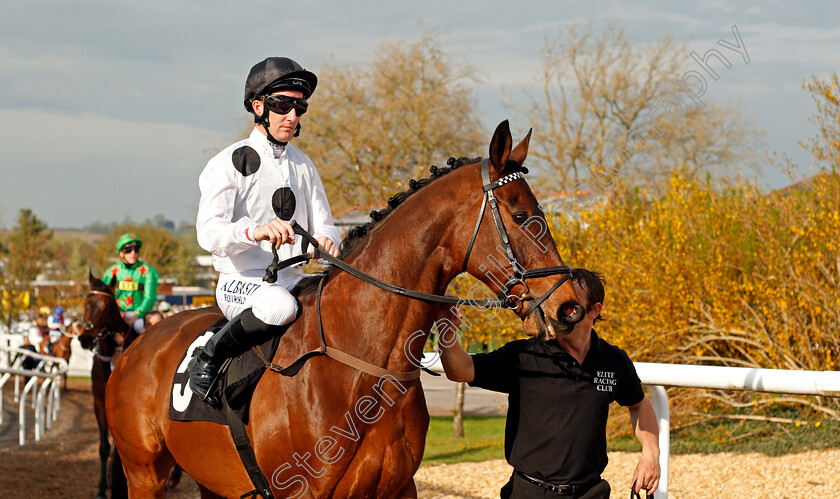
(406, 249)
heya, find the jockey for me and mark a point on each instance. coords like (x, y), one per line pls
(55, 324)
(249, 193)
(136, 282)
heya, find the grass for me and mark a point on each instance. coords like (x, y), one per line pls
(484, 439)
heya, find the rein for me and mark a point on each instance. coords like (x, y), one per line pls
(518, 277)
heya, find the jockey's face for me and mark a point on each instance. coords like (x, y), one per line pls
(130, 253)
(281, 126)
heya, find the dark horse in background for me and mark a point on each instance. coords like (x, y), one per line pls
(100, 326)
(367, 431)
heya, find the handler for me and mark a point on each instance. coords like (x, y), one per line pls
(560, 391)
(249, 193)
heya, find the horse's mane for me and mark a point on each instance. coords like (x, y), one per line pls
(356, 234)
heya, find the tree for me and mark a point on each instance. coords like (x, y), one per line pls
(371, 127)
(825, 147)
(603, 101)
(21, 260)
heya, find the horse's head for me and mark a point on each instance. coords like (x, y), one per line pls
(102, 314)
(509, 246)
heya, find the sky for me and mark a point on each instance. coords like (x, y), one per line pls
(110, 110)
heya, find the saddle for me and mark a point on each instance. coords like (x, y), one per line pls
(238, 379)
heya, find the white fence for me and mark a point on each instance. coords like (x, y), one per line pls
(657, 376)
(81, 360)
(46, 399)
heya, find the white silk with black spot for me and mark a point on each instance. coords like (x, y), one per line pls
(245, 186)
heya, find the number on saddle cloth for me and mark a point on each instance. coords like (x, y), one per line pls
(236, 390)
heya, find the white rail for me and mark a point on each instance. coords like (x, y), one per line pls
(657, 376)
(46, 400)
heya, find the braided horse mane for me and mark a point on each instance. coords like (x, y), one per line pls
(356, 234)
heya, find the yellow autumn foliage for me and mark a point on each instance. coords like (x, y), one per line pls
(708, 274)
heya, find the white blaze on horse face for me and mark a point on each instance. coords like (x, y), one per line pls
(181, 395)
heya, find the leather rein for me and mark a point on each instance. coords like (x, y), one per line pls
(517, 278)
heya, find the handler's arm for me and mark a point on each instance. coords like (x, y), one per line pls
(643, 419)
(457, 363)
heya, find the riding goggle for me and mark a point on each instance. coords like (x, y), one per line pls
(130, 249)
(283, 104)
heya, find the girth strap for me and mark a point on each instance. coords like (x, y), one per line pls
(246, 451)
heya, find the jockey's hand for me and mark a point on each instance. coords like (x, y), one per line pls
(276, 231)
(326, 244)
(119, 338)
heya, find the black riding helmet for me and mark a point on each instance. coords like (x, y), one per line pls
(272, 75)
(277, 73)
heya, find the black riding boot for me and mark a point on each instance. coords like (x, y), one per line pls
(233, 339)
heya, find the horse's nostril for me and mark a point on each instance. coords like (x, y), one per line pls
(570, 312)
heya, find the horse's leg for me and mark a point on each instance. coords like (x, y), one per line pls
(208, 494)
(174, 477)
(146, 480)
(409, 491)
(119, 488)
(99, 377)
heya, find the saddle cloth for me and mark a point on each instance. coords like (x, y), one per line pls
(184, 405)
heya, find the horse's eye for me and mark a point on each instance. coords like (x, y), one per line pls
(88, 326)
(519, 217)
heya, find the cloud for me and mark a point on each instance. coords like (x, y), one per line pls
(72, 168)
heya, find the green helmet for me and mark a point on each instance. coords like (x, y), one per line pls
(127, 238)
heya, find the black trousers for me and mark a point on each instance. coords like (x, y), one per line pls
(519, 488)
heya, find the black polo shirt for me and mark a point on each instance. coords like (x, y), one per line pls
(557, 416)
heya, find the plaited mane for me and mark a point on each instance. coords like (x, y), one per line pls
(356, 234)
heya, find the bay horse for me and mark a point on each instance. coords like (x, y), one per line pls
(367, 431)
(101, 323)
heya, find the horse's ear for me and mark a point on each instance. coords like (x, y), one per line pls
(91, 279)
(500, 148)
(520, 152)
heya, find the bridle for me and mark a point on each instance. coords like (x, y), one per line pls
(104, 332)
(519, 275)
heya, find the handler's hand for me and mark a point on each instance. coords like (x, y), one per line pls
(327, 244)
(276, 231)
(646, 475)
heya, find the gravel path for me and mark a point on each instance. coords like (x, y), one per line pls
(813, 474)
(65, 465)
